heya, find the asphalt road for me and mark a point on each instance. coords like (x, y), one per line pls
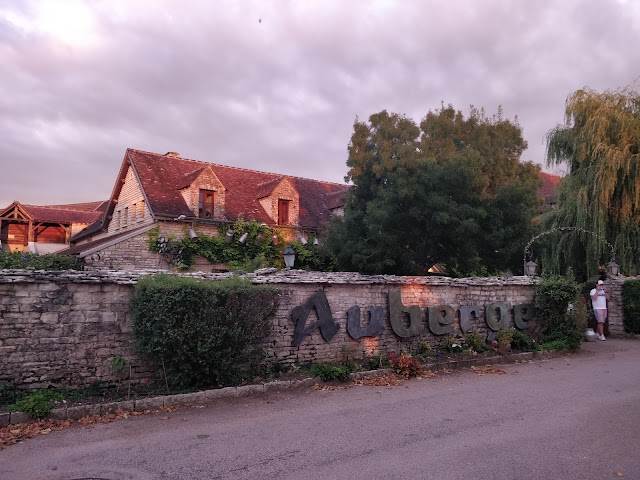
(575, 417)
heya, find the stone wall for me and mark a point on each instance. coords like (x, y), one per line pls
(69, 326)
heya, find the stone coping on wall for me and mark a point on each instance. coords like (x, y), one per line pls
(211, 396)
(263, 276)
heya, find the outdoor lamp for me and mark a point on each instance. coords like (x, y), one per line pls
(228, 236)
(192, 234)
(531, 268)
(303, 240)
(243, 237)
(613, 268)
(316, 242)
(289, 256)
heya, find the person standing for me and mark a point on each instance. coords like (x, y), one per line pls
(599, 298)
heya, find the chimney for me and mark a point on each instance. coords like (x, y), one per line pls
(171, 154)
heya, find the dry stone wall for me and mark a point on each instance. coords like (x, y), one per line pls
(66, 327)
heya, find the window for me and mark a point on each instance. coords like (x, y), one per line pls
(283, 211)
(205, 204)
(141, 210)
(134, 212)
(126, 216)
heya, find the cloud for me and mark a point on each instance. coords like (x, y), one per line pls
(277, 85)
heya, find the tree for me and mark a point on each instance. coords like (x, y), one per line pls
(600, 144)
(451, 191)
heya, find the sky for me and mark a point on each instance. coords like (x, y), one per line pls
(276, 85)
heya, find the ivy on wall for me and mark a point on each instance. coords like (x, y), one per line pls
(258, 251)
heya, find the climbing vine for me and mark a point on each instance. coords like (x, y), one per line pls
(262, 248)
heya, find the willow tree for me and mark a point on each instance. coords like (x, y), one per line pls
(600, 145)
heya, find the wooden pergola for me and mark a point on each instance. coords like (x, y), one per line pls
(18, 227)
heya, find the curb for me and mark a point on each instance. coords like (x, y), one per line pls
(209, 396)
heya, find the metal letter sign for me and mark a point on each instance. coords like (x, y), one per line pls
(465, 316)
(328, 327)
(497, 316)
(441, 320)
(523, 314)
(375, 327)
(396, 309)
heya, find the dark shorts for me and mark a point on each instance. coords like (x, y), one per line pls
(601, 315)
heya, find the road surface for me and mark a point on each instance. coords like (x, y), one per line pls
(574, 417)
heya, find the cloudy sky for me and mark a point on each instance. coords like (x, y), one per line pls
(275, 85)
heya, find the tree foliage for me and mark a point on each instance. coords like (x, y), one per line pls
(600, 145)
(451, 190)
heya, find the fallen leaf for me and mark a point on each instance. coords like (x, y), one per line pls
(165, 418)
(488, 369)
(619, 474)
(46, 431)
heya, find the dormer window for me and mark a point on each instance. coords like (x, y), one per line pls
(205, 204)
(283, 211)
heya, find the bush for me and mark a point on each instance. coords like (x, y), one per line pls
(405, 365)
(631, 305)
(330, 372)
(7, 392)
(38, 404)
(475, 342)
(503, 338)
(553, 294)
(523, 342)
(19, 260)
(202, 333)
(424, 350)
(451, 345)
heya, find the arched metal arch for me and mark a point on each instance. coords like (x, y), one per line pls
(527, 248)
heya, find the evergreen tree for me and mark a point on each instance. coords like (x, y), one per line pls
(451, 191)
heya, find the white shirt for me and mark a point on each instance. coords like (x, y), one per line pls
(600, 303)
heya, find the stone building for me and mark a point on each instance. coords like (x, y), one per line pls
(179, 195)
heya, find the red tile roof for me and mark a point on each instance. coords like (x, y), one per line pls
(73, 213)
(162, 177)
(549, 186)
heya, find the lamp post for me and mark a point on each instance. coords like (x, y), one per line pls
(289, 255)
(613, 268)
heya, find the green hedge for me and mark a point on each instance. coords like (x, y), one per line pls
(202, 333)
(38, 262)
(553, 294)
(631, 305)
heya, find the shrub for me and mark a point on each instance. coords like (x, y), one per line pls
(503, 338)
(405, 365)
(475, 342)
(451, 345)
(631, 305)
(19, 260)
(36, 405)
(201, 333)
(377, 361)
(7, 392)
(330, 372)
(522, 342)
(424, 350)
(553, 294)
